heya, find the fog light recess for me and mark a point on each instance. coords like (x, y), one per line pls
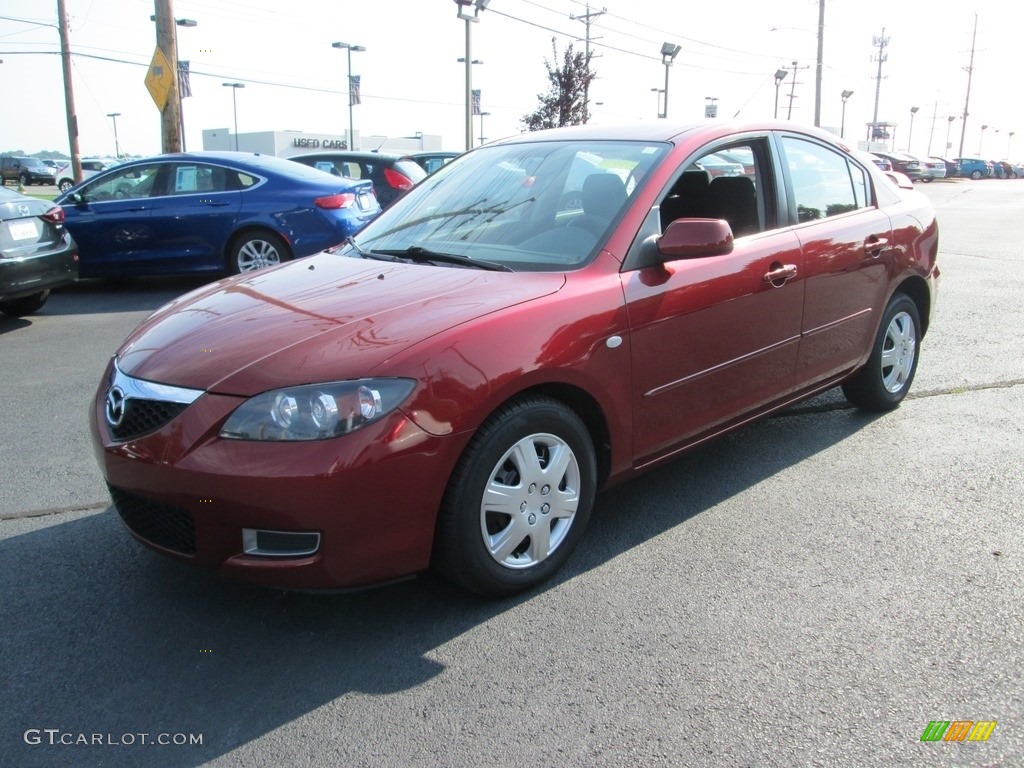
(279, 543)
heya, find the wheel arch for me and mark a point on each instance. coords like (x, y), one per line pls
(584, 405)
(916, 288)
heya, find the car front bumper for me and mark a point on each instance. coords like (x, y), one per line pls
(372, 496)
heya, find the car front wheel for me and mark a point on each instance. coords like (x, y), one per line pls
(65, 185)
(26, 305)
(256, 250)
(885, 380)
(519, 499)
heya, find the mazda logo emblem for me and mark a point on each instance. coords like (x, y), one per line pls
(115, 406)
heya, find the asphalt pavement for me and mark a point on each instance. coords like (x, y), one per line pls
(813, 590)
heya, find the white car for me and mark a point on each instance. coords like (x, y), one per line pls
(90, 167)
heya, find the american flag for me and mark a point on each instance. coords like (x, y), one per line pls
(184, 86)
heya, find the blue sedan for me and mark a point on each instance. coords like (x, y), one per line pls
(210, 212)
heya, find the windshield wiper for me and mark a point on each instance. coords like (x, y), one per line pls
(425, 255)
(363, 254)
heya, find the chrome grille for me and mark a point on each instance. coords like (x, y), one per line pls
(142, 416)
(134, 407)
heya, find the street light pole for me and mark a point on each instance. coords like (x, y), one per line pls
(669, 51)
(234, 102)
(464, 7)
(351, 100)
(658, 91)
(117, 147)
(981, 141)
(949, 126)
(842, 126)
(780, 75)
(482, 116)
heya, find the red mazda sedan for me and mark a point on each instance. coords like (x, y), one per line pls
(452, 386)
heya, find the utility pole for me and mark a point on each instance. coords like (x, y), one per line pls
(792, 91)
(817, 74)
(69, 96)
(167, 41)
(585, 18)
(970, 74)
(881, 41)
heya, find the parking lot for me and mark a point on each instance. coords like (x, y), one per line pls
(813, 590)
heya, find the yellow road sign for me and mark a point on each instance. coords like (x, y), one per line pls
(159, 79)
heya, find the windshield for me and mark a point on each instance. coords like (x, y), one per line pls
(542, 206)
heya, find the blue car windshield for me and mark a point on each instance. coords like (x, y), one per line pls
(540, 206)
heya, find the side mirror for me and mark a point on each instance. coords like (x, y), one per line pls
(687, 239)
(900, 180)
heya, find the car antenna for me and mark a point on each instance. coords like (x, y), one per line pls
(383, 142)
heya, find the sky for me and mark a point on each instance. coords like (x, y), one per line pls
(411, 81)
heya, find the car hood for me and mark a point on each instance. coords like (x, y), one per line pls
(326, 317)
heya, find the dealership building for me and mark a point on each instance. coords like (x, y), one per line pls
(288, 143)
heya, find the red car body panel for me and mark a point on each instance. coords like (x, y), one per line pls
(656, 359)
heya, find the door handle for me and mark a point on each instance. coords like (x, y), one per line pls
(780, 273)
(875, 245)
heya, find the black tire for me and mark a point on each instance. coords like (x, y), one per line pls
(885, 379)
(65, 185)
(975, 175)
(255, 250)
(26, 305)
(535, 519)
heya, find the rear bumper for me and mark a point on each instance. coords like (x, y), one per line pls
(26, 275)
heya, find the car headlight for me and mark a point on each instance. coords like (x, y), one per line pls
(316, 411)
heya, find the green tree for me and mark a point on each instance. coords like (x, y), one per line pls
(565, 103)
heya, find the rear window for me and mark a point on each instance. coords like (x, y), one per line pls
(411, 170)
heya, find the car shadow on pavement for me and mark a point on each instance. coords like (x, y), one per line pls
(130, 294)
(102, 636)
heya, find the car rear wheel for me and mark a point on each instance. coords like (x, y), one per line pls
(256, 250)
(975, 175)
(26, 305)
(519, 499)
(885, 380)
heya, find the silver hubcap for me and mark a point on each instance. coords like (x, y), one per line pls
(257, 254)
(898, 351)
(530, 501)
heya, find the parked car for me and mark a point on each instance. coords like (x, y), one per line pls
(931, 168)
(90, 167)
(1005, 169)
(210, 212)
(25, 171)
(908, 165)
(453, 386)
(1018, 170)
(950, 165)
(883, 163)
(37, 254)
(973, 167)
(430, 161)
(392, 175)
